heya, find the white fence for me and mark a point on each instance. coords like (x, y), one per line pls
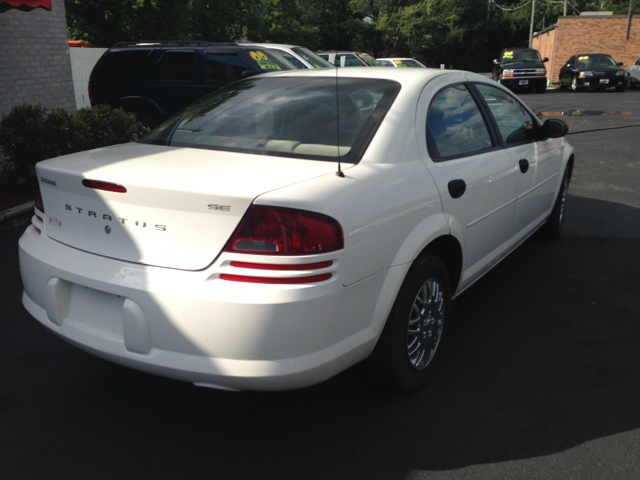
(82, 62)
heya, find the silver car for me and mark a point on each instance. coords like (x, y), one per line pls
(634, 74)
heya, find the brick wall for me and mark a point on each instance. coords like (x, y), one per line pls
(544, 44)
(597, 34)
(34, 59)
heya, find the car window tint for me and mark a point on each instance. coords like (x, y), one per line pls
(175, 65)
(284, 116)
(516, 125)
(347, 60)
(456, 124)
(311, 57)
(119, 66)
(224, 67)
(296, 63)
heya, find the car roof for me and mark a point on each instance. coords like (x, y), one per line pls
(405, 76)
(396, 58)
(267, 45)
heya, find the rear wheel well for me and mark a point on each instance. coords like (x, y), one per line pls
(448, 249)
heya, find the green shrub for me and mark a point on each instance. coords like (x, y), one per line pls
(29, 134)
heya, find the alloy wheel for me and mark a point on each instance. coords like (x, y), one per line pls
(425, 324)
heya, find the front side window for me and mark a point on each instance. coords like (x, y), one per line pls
(285, 116)
(455, 125)
(175, 66)
(516, 125)
(224, 67)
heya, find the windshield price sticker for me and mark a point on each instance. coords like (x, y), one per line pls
(583, 58)
(269, 65)
(507, 55)
(259, 57)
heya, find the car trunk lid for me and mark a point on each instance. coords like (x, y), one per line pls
(180, 207)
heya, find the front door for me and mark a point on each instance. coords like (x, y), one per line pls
(476, 177)
(538, 160)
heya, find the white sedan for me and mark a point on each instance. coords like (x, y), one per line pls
(291, 225)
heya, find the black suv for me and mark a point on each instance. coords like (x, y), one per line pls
(158, 79)
(521, 68)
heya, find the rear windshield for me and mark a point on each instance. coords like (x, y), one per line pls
(119, 66)
(312, 58)
(297, 117)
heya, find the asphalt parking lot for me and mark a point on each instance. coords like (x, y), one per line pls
(542, 380)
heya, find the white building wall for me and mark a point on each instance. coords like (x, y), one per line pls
(82, 62)
(34, 59)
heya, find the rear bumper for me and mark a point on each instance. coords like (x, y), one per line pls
(196, 327)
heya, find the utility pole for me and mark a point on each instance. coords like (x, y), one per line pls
(629, 21)
(565, 8)
(533, 12)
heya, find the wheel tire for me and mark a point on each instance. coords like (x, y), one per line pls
(552, 228)
(540, 88)
(621, 88)
(145, 122)
(413, 339)
(574, 84)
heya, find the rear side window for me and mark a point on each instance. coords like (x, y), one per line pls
(296, 63)
(347, 60)
(175, 66)
(224, 67)
(455, 126)
(119, 66)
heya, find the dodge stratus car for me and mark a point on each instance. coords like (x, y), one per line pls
(294, 224)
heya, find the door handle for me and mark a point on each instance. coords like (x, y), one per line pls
(457, 188)
(524, 165)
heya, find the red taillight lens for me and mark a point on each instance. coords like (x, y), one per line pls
(285, 231)
(107, 186)
(277, 281)
(38, 203)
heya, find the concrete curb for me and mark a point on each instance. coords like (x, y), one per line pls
(17, 212)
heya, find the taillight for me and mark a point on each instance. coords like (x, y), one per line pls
(38, 203)
(106, 186)
(285, 231)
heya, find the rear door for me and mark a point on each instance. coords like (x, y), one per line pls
(476, 178)
(173, 83)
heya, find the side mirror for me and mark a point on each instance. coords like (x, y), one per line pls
(496, 62)
(554, 128)
(620, 64)
(545, 59)
(248, 73)
(568, 65)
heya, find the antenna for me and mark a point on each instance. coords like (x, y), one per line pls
(339, 173)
